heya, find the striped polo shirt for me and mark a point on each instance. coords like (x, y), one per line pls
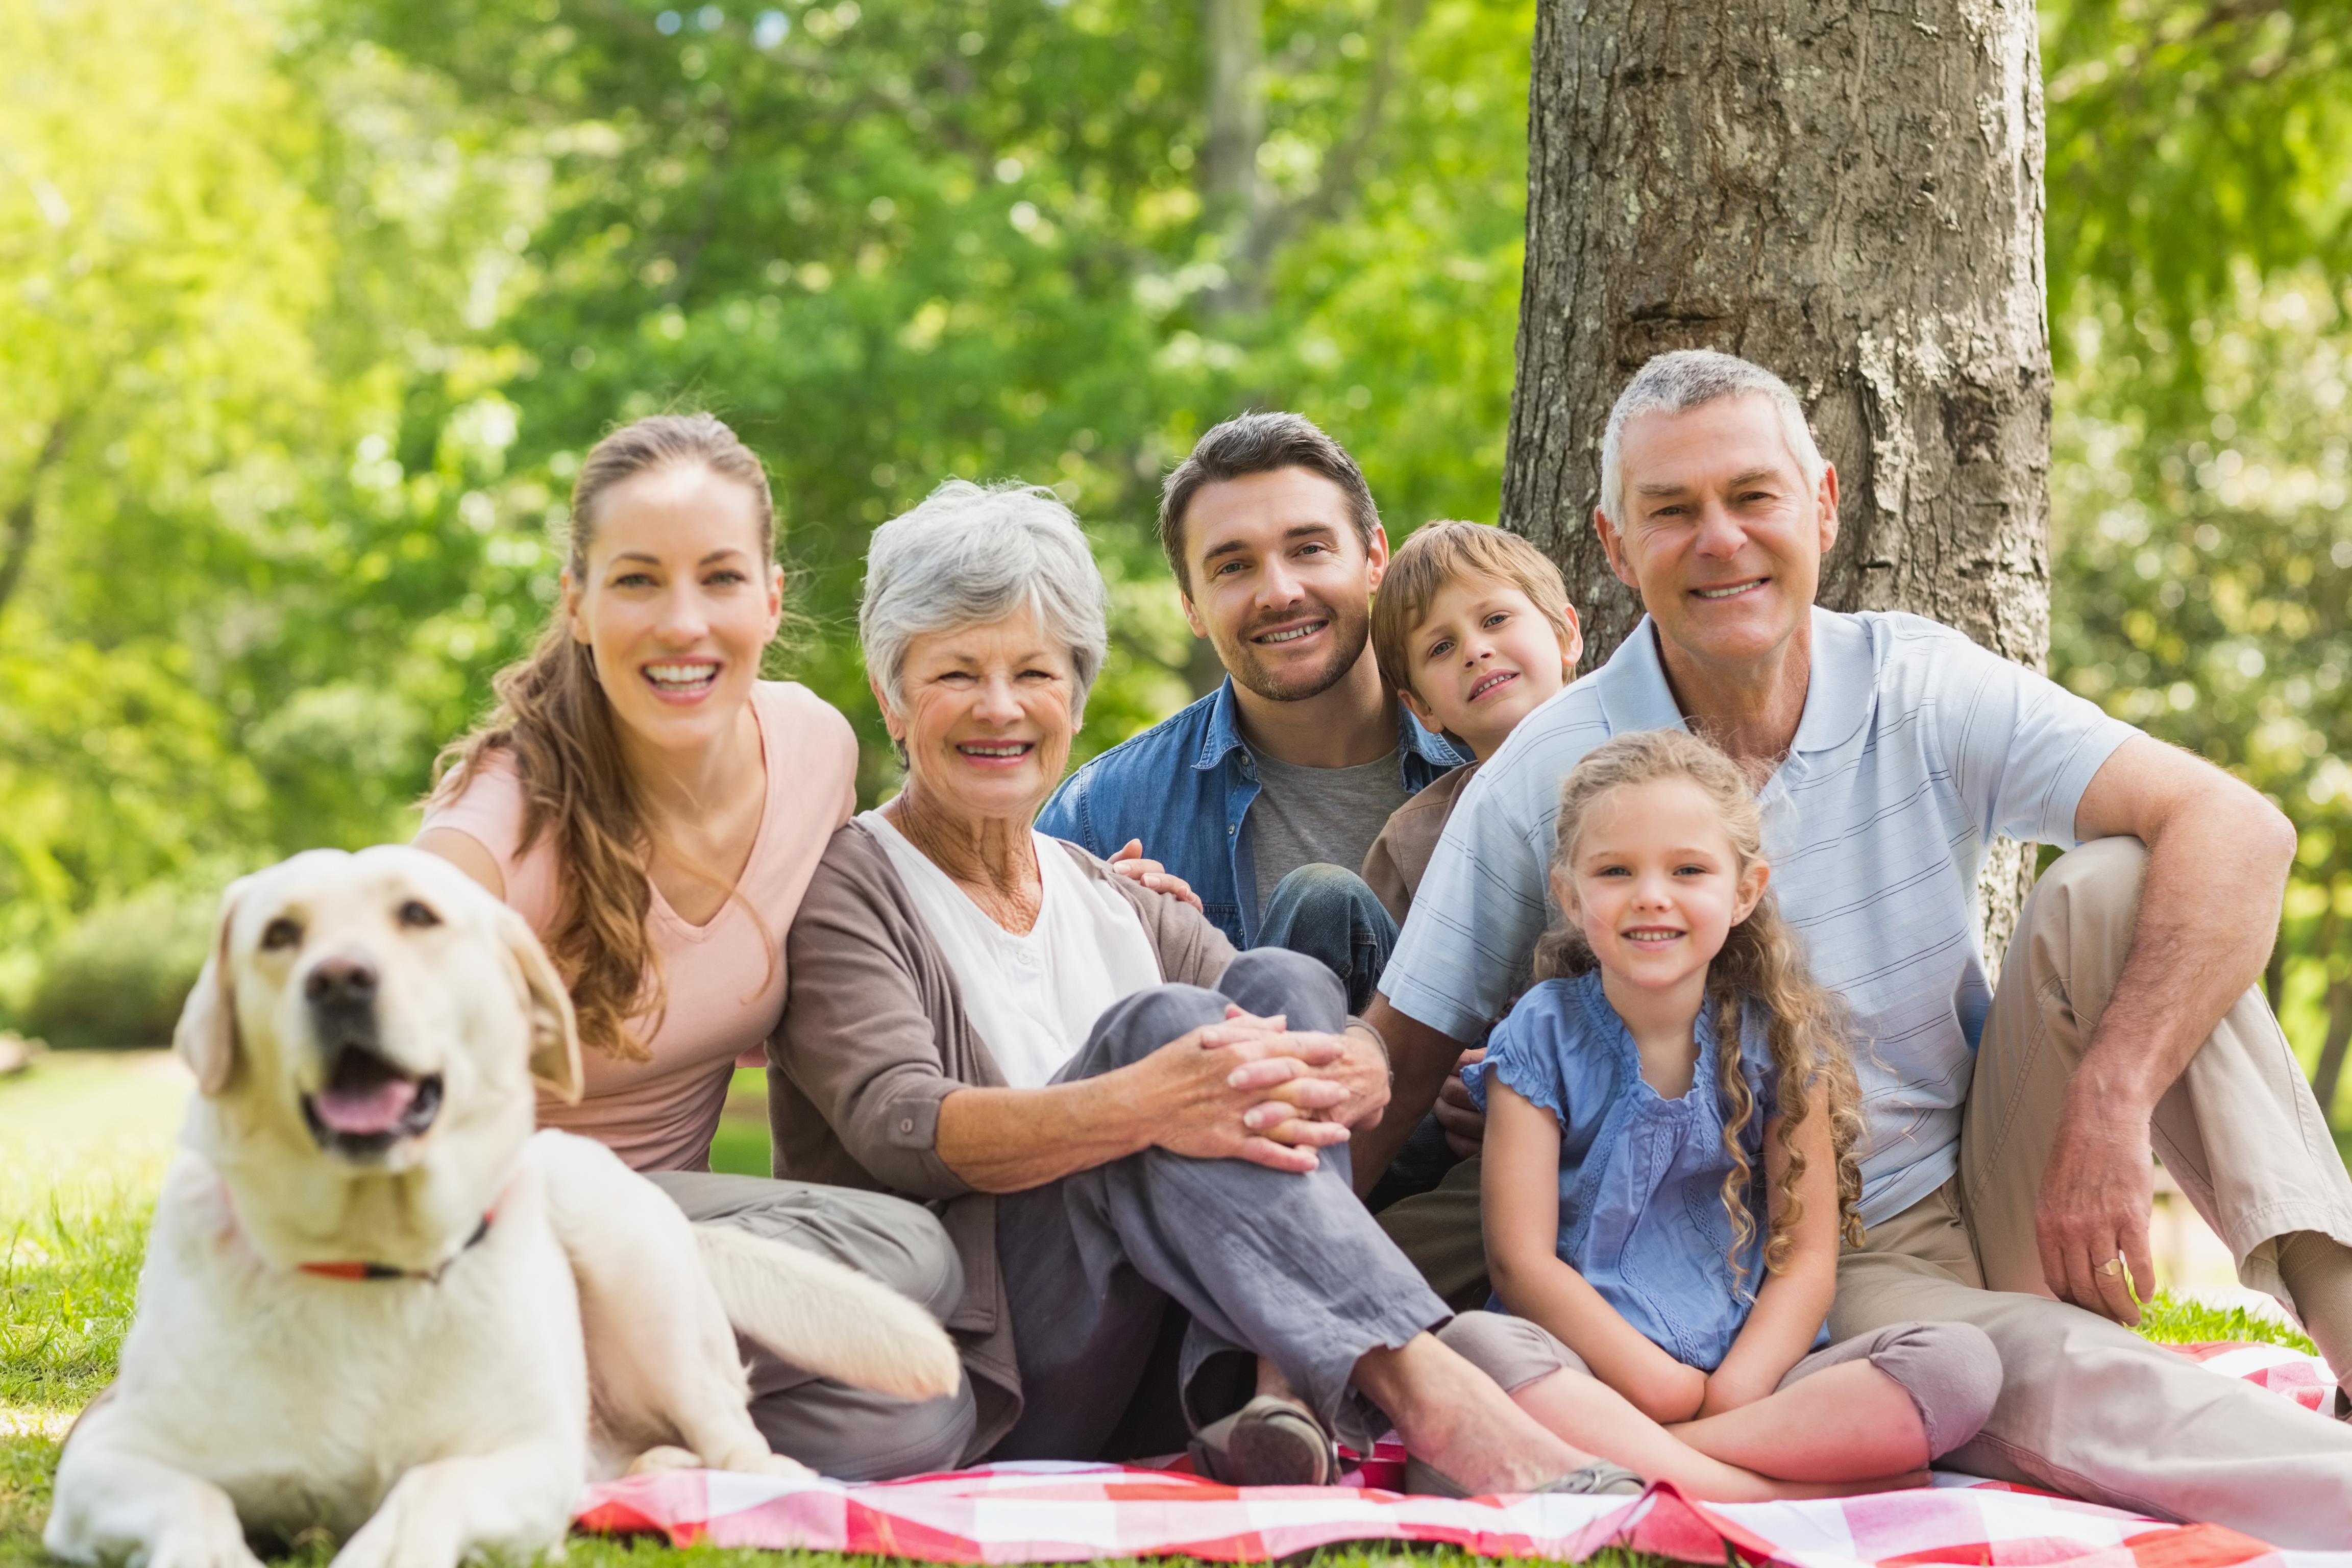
(1916, 747)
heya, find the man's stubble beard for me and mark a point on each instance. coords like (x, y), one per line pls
(1350, 633)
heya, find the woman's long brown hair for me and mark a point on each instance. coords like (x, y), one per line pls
(1759, 966)
(553, 721)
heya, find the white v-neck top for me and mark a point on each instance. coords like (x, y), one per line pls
(1034, 999)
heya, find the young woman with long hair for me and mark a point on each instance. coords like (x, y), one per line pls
(655, 810)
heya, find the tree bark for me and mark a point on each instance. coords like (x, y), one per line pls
(1849, 196)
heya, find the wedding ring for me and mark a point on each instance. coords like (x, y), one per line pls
(2112, 1266)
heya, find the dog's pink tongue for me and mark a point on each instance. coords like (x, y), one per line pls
(376, 1108)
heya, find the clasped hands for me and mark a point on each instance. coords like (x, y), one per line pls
(1252, 1089)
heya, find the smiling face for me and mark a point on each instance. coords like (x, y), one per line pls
(1280, 582)
(1655, 883)
(988, 714)
(1483, 658)
(1722, 536)
(676, 599)
(372, 1007)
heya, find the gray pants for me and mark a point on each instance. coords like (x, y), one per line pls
(850, 1433)
(1266, 1262)
(1949, 1370)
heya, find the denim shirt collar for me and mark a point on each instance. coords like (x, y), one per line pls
(1223, 737)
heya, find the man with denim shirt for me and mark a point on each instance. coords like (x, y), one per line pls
(1265, 794)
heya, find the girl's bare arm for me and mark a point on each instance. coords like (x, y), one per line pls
(1790, 1305)
(1519, 1198)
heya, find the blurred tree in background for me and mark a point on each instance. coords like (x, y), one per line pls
(2200, 223)
(310, 307)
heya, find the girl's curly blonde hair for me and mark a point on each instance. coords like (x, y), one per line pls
(1759, 965)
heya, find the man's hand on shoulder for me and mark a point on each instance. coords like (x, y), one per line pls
(1130, 863)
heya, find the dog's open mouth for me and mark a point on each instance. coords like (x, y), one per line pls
(368, 1104)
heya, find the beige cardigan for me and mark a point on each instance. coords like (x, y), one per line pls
(874, 1037)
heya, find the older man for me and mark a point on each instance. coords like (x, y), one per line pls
(2007, 1177)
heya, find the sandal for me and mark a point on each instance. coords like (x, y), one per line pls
(1599, 1479)
(1270, 1442)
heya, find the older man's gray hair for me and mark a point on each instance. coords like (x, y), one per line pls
(971, 554)
(1687, 379)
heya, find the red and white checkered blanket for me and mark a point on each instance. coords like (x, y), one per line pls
(1062, 1513)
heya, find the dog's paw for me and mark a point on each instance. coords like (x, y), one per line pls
(779, 1465)
(668, 1456)
(207, 1543)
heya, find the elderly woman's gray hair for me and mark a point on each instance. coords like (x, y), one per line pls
(1689, 378)
(971, 554)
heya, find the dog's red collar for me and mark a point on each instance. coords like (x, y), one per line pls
(363, 1270)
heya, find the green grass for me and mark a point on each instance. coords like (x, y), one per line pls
(83, 1141)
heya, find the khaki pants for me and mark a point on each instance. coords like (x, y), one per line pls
(2087, 1407)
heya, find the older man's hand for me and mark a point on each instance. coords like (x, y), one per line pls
(1458, 1115)
(2091, 1216)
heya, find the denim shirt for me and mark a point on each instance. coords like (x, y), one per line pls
(1641, 1177)
(1184, 788)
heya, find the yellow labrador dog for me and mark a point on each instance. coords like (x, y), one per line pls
(376, 1301)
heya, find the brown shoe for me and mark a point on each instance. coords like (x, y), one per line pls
(1270, 1442)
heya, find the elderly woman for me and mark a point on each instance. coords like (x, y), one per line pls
(1110, 1110)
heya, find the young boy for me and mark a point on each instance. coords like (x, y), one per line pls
(1474, 630)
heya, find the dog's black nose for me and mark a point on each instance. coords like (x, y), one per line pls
(340, 982)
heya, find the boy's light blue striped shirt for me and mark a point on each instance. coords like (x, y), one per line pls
(1916, 747)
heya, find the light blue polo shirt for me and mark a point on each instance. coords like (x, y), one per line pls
(1915, 749)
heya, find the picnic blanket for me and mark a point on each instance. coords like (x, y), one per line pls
(1069, 1512)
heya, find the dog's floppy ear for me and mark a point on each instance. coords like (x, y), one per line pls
(555, 1037)
(207, 1037)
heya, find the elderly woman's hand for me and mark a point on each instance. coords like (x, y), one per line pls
(1130, 863)
(1248, 1088)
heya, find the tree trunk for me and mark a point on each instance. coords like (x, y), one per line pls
(1849, 196)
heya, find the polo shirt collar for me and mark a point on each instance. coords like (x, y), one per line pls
(1838, 692)
(1634, 694)
(1632, 685)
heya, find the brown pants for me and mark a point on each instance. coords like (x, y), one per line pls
(2087, 1407)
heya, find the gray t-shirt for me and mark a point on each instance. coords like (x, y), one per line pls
(1302, 815)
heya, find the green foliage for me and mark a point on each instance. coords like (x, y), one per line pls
(312, 306)
(118, 977)
(2189, 141)
(2200, 226)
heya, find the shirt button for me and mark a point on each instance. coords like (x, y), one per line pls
(907, 1125)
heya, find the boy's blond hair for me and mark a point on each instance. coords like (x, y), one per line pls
(1437, 553)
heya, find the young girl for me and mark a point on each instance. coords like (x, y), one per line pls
(1669, 1157)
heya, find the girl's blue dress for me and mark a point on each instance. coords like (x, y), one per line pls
(1641, 1177)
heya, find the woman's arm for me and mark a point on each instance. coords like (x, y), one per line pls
(465, 851)
(1520, 1198)
(1212, 1094)
(1790, 1305)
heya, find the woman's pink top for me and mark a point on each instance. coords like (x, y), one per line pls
(724, 981)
